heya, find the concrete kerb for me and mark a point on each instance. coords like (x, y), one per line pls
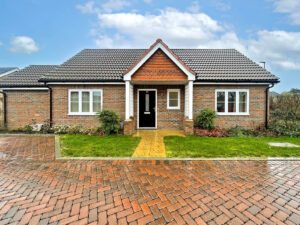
(58, 156)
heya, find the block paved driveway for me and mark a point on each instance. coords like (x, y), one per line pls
(35, 189)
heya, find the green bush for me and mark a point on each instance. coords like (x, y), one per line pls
(285, 128)
(28, 129)
(205, 120)
(110, 121)
(61, 129)
(236, 131)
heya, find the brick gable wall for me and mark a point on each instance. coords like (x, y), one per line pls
(23, 106)
(159, 67)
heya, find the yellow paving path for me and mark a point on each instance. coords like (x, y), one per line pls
(152, 142)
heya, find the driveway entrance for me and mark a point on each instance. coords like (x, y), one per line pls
(35, 189)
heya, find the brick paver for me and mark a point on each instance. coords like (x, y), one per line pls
(35, 189)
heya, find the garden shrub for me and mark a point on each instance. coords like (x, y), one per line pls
(285, 114)
(110, 121)
(61, 129)
(205, 120)
(28, 129)
(236, 131)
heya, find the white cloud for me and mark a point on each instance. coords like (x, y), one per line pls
(23, 44)
(222, 5)
(291, 7)
(1, 43)
(148, 1)
(88, 7)
(180, 29)
(195, 7)
(280, 48)
(107, 7)
(114, 5)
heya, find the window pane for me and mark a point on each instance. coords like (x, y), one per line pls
(243, 101)
(231, 101)
(96, 101)
(74, 102)
(173, 103)
(74, 96)
(173, 95)
(74, 107)
(221, 101)
(85, 101)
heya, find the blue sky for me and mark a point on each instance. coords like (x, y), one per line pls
(51, 31)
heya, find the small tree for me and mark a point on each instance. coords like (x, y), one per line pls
(205, 120)
(110, 121)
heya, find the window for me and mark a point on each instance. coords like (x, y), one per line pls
(85, 101)
(173, 99)
(232, 102)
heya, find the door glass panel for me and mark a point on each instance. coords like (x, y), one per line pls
(243, 102)
(85, 101)
(74, 102)
(147, 102)
(221, 101)
(231, 101)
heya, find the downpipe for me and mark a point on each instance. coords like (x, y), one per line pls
(4, 108)
(267, 105)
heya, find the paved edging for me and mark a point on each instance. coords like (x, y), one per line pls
(58, 156)
(21, 134)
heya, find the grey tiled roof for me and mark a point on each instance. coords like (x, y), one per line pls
(209, 64)
(27, 77)
(6, 69)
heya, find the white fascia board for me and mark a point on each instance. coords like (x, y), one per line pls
(83, 83)
(190, 75)
(229, 83)
(25, 89)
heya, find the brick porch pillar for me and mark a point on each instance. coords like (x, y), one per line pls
(129, 127)
(188, 126)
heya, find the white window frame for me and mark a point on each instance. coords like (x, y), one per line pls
(237, 113)
(168, 98)
(91, 113)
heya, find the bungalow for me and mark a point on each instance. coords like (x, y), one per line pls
(155, 88)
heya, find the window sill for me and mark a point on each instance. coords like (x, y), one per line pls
(233, 114)
(173, 108)
(82, 114)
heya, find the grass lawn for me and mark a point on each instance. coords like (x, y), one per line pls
(98, 146)
(193, 146)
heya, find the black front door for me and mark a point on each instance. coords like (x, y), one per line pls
(147, 109)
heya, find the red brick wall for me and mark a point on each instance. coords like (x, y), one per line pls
(113, 98)
(159, 67)
(204, 97)
(166, 118)
(23, 106)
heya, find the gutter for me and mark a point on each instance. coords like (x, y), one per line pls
(267, 105)
(4, 108)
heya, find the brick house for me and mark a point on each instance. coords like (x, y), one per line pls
(155, 88)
